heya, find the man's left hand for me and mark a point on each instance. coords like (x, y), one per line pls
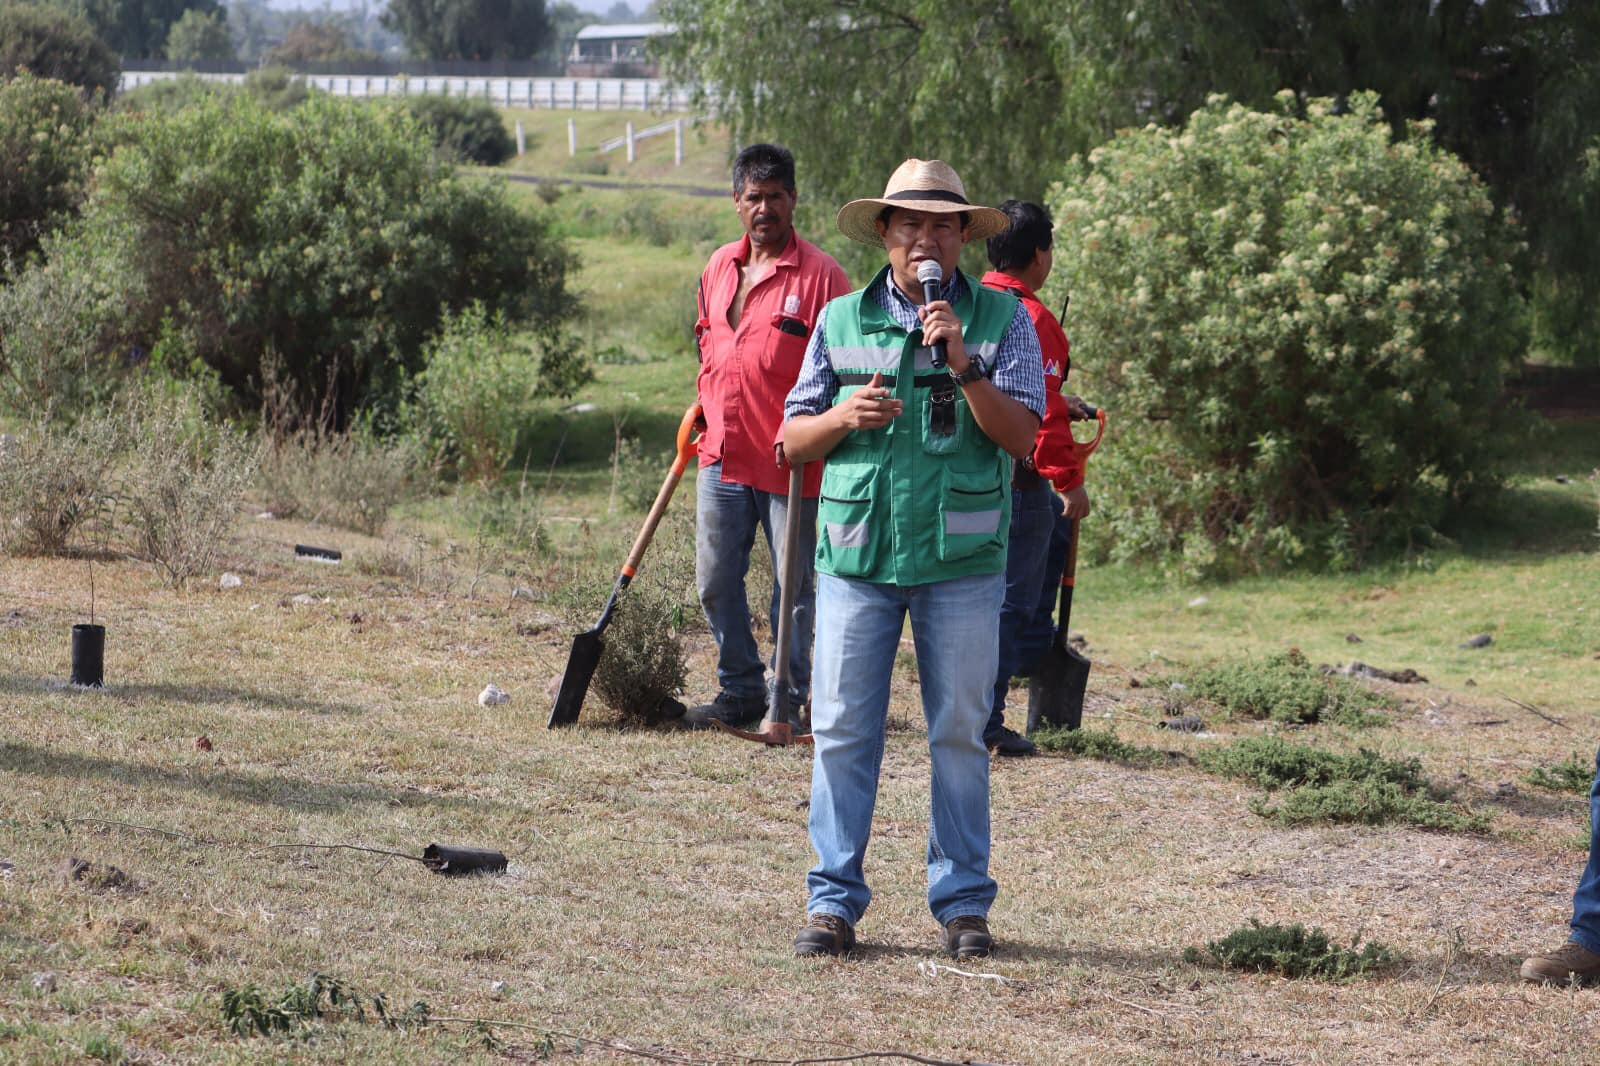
(1077, 502)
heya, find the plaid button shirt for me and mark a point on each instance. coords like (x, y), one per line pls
(1018, 369)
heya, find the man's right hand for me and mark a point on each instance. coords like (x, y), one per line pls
(870, 407)
(1077, 502)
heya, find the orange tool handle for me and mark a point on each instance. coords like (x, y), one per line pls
(688, 439)
(1086, 448)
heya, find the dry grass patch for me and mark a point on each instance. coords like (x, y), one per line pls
(656, 878)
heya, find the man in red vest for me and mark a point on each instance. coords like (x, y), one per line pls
(1022, 258)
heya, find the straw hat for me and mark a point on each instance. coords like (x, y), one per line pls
(920, 185)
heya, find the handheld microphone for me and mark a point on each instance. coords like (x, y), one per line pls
(932, 276)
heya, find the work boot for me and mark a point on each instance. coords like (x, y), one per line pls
(1571, 962)
(1005, 741)
(824, 934)
(967, 937)
(728, 709)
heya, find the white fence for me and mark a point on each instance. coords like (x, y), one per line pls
(586, 94)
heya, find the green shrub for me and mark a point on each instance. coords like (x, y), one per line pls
(184, 486)
(328, 234)
(464, 130)
(1299, 326)
(59, 320)
(1286, 688)
(1274, 763)
(481, 388)
(1292, 951)
(1368, 802)
(56, 476)
(277, 88)
(46, 141)
(1573, 774)
(1324, 787)
(172, 94)
(1097, 744)
(643, 667)
(52, 43)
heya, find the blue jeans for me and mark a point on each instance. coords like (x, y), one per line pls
(1033, 519)
(726, 518)
(1586, 901)
(858, 632)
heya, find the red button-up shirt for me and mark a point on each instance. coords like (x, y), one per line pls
(1054, 454)
(748, 369)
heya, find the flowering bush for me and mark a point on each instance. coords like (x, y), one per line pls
(1300, 325)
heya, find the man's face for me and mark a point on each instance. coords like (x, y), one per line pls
(767, 210)
(912, 237)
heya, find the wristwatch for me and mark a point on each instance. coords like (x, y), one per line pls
(974, 372)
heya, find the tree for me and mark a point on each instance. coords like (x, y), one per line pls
(137, 28)
(315, 42)
(470, 29)
(1008, 90)
(566, 19)
(53, 44)
(200, 35)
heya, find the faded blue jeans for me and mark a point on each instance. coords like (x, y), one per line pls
(727, 516)
(858, 633)
(1028, 578)
(1586, 901)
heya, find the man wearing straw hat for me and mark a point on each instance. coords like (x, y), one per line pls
(918, 406)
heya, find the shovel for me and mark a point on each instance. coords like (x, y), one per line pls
(587, 646)
(780, 727)
(1056, 690)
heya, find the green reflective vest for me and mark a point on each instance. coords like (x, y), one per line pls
(927, 497)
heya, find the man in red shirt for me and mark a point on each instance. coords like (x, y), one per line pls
(759, 299)
(1022, 258)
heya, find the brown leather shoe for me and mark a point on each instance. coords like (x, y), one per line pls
(968, 937)
(824, 934)
(1568, 963)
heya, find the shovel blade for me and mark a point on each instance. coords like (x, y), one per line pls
(581, 663)
(1055, 694)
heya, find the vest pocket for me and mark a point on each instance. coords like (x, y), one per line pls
(944, 420)
(971, 505)
(846, 541)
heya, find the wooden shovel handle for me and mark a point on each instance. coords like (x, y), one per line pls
(688, 445)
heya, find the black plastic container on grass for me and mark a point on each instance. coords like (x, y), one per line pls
(89, 655)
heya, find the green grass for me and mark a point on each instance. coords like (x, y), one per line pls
(708, 153)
